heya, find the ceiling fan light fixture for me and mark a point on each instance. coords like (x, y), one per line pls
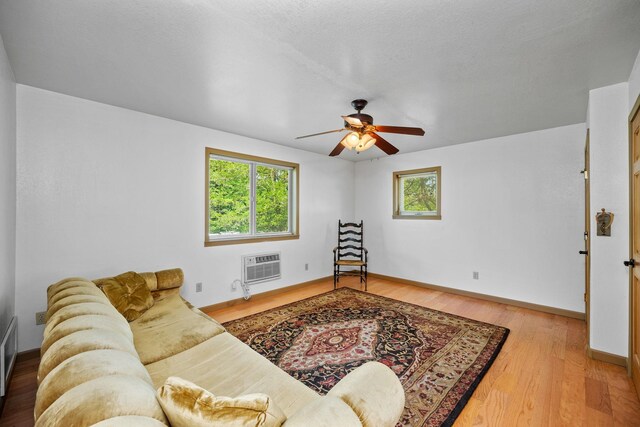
(351, 141)
(366, 142)
(344, 142)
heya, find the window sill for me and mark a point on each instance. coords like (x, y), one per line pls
(437, 217)
(251, 239)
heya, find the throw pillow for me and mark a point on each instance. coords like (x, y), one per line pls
(128, 293)
(186, 404)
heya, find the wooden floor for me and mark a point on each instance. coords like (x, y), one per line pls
(542, 376)
(21, 396)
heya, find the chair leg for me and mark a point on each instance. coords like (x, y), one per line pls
(365, 278)
(335, 282)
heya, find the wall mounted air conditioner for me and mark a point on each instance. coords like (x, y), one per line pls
(260, 268)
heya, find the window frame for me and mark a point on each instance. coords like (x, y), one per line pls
(254, 161)
(397, 177)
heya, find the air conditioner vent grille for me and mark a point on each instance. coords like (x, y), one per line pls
(260, 268)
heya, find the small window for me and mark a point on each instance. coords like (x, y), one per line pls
(416, 194)
(249, 199)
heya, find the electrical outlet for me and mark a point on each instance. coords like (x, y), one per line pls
(306, 267)
(199, 287)
(41, 318)
(476, 275)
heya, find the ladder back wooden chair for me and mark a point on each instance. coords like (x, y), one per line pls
(350, 253)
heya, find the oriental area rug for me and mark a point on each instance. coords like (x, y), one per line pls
(438, 357)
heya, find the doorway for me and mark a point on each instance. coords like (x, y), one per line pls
(587, 240)
(634, 239)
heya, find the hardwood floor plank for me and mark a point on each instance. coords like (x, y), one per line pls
(554, 392)
(470, 412)
(598, 419)
(597, 395)
(493, 411)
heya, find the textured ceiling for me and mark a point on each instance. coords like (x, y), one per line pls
(463, 70)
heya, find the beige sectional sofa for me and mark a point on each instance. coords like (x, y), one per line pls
(99, 369)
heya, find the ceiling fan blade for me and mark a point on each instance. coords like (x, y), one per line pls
(400, 129)
(383, 144)
(356, 123)
(337, 150)
(321, 133)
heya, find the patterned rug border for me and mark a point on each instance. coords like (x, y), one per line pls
(453, 415)
(472, 388)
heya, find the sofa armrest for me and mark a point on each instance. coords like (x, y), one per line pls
(326, 411)
(164, 283)
(374, 393)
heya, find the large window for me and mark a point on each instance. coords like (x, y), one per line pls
(416, 194)
(249, 198)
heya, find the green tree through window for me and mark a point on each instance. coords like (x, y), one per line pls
(420, 193)
(229, 197)
(272, 199)
(416, 194)
(249, 198)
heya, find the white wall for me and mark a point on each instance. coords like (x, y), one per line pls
(7, 190)
(608, 115)
(102, 190)
(634, 83)
(512, 209)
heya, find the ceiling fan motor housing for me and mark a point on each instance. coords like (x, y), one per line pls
(359, 104)
(364, 118)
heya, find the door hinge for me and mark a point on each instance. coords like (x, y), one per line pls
(585, 297)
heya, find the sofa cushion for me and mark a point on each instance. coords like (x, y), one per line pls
(80, 342)
(185, 405)
(81, 288)
(103, 398)
(130, 420)
(167, 279)
(84, 322)
(170, 327)
(71, 282)
(129, 294)
(226, 366)
(75, 310)
(164, 293)
(164, 283)
(85, 367)
(151, 280)
(74, 299)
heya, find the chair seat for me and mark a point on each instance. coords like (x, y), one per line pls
(351, 262)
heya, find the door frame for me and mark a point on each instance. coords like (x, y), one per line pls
(587, 238)
(632, 115)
